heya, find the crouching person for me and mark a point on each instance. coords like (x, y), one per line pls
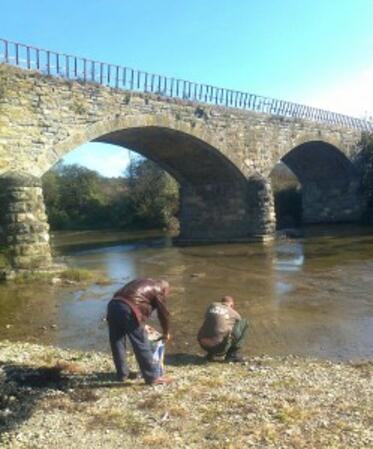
(127, 312)
(223, 331)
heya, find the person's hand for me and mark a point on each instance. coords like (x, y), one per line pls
(166, 337)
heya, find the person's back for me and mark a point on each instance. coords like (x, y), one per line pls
(222, 330)
(127, 312)
(218, 323)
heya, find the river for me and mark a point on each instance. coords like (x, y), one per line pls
(308, 296)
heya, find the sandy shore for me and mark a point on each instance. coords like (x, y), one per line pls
(52, 398)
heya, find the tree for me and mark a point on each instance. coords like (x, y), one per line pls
(154, 194)
(75, 198)
(79, 198)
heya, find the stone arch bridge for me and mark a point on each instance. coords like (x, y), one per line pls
(220, 153)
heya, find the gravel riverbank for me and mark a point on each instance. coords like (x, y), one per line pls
(53, 398)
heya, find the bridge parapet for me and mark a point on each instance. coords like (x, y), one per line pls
(77, 68)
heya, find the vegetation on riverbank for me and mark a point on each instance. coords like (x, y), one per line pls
(52, 398)
(79, 198)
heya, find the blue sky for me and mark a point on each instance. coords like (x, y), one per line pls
(318, 52)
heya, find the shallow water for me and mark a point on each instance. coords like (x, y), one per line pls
(307, 296)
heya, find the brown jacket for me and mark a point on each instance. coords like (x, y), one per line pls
(143, 296)
(218, 324)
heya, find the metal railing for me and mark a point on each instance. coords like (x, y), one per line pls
(75, 68)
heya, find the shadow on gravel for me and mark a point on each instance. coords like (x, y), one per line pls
(184, 359)
(22, 387)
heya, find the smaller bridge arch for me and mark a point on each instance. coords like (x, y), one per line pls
(330, 183)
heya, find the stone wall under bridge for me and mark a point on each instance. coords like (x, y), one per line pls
(221, 157)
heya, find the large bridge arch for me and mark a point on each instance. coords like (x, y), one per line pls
(127, 130)
(214, 192)
(330, 182)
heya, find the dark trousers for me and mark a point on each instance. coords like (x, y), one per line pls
(232, 342)
(122, 325)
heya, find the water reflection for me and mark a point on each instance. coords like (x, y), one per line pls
(307, 296)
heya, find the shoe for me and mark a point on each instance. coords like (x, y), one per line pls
(162, 380)
(132, 375)
(209, 357)
(234, 358)
(121, 378)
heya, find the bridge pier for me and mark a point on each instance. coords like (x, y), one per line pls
(336, 202)
(261, 207)
(227, 212)
(24, 222)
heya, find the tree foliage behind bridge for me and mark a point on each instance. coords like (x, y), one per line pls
(79, 198)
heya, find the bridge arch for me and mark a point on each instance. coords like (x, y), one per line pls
(330, 182)
(213, 191)
(127, 131)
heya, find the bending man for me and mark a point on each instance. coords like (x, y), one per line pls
(127, 313)
(222, 331)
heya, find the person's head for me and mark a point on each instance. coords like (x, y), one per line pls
(165, 287)
(228, 301)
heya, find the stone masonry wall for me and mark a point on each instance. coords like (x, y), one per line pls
(215, 212)
(42, 118)
(25, 222)
(332, 203)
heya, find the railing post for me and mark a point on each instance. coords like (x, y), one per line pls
(28, 59)
(48, 62)
(6, 51)
(117, 77)
(37, 59)
(132, 78)
(93, 71)
(101, 73)
(84, 69)
(124, 75)
(17, 54)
